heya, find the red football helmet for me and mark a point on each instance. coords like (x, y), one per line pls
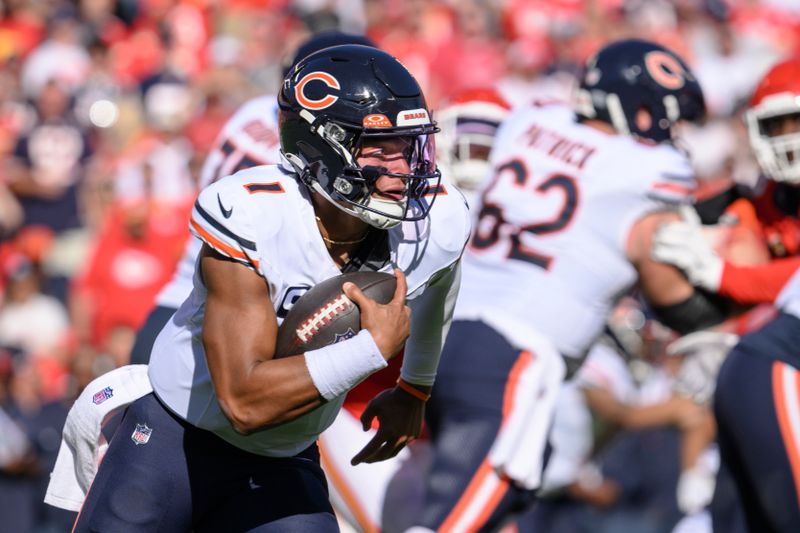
(773, 122)
(468, 125)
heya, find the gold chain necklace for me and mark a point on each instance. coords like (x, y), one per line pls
(331, 241)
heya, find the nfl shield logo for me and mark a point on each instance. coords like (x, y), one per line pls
(349, 334)
(141, 434)
(103, 395)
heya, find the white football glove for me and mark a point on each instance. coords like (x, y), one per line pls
(703, 353)
(683, 244)
(695, 489)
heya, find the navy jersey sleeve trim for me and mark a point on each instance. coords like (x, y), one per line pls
(250, 245)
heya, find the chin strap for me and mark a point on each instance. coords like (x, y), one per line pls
(393, 207)
(377, 220)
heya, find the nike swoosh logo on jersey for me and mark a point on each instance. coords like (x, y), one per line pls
(225, 212)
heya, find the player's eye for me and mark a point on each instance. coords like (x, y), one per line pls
(372, 152)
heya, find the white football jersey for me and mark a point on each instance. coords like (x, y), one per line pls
(248, 139)
(548, 253)
(605, 368)
(263, 218)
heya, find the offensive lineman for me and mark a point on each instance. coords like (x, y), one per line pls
(355, 191)
(563, 231)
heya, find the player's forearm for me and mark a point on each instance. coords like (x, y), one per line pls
(431, 315)
(655, 415)
(757, 283)
(266, 392)
(272, 392)
(695, 439)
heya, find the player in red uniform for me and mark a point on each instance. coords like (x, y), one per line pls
(757, 401)
(773, 215)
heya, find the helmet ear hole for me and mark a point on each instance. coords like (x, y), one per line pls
(309, 150)
(643, 119)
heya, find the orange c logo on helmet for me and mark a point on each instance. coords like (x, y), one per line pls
(309, 103)
(665, 69)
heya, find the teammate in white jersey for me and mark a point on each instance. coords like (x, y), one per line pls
(227, 440)
(563, 231)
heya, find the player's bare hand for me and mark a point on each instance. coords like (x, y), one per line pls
(400, 418)
(686, 413)
(389, 324)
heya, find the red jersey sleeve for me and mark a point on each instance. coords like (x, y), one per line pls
(757, 284)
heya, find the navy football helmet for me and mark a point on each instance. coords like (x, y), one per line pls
(333, 100)
(632, 75)
(321, 40)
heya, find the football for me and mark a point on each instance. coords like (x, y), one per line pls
(324, 315)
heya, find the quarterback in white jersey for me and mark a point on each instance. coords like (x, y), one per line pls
(562, 231)
(356, 191)
(289, 253)
(249, 139)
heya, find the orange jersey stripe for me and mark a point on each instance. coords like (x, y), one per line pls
(523, 361)
(491, 503)
(216, 243)
(779, 391)
(483, 472)
(673, 187)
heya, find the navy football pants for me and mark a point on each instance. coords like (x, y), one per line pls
(463, 418)
(757, 406)
(187, 479)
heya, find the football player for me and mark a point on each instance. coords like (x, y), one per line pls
(756, 400)
(227, 440)
(249, 139)
(563, 230)
(469, 123)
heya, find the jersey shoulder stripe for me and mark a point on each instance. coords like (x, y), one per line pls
(220, 246)
(274, 187)
(222, 216)
(245, 243)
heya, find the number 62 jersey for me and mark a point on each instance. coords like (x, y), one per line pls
(548, 254)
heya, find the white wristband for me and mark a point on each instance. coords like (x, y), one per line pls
(337, 368)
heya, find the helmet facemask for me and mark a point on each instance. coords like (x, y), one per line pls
(777, 149)
(469, 126)
(331, 168)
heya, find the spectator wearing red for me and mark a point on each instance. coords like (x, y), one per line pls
(134, 255)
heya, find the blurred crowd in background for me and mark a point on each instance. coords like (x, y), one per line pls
(109, 107)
